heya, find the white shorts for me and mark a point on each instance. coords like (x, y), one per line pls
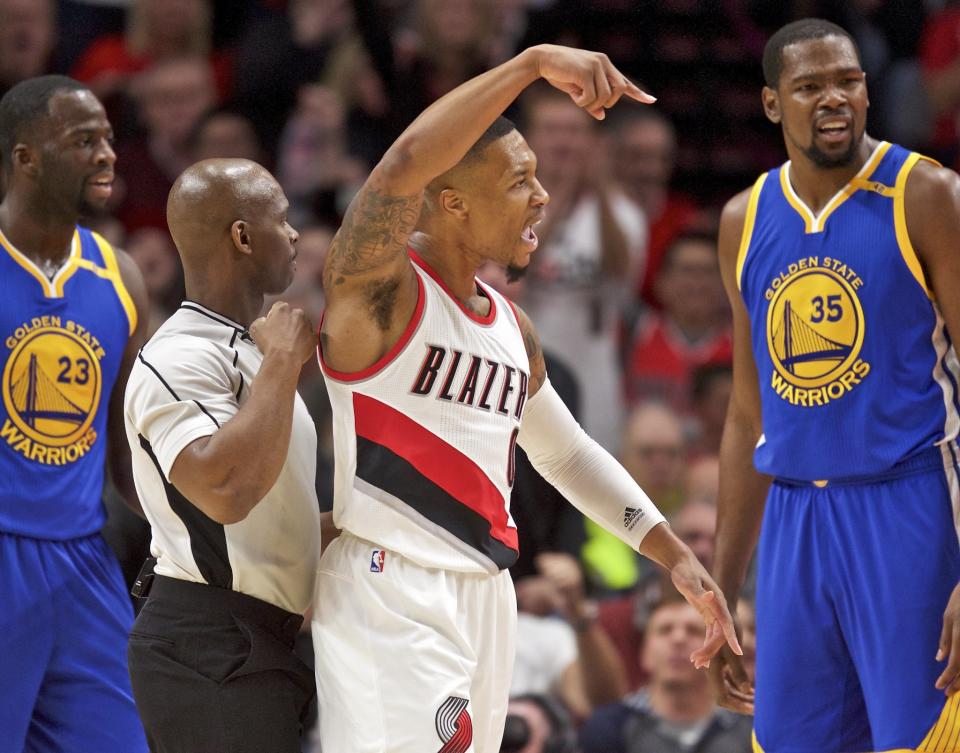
(410, 659)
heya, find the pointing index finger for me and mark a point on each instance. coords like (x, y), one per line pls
(635, 92)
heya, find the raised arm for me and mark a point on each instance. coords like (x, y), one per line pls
(370, 286)
(933, 224)
(742, 489)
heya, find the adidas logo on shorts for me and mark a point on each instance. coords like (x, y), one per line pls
(630, 517)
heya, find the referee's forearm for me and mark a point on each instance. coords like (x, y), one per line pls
(232, 470)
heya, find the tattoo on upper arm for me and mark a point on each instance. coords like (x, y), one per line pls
(375, 229)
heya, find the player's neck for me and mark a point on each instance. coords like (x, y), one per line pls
(455, 264)
(37, 234)
(816, 185)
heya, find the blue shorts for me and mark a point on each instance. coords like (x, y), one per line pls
(852, 582)
(64, 620)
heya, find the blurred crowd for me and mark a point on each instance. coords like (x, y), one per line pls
(624, 288)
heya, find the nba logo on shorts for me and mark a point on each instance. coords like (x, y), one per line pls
(377, 560)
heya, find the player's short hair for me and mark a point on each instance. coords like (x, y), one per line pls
(24, 104)
(798, 31)
(497, 130)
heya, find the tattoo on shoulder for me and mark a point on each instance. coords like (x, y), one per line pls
(375, 228)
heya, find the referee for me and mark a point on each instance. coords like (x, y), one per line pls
(224, 457)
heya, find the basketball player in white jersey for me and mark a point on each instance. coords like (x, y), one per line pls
(429, 373)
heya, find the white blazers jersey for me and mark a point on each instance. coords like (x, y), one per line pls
(424, 439)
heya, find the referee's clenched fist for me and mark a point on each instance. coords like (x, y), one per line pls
(285, 331)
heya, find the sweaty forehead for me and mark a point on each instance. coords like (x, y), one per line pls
(818, 57)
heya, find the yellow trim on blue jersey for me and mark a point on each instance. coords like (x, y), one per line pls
(816, 223)
(113, 274)
(944, 737)
(794, 200)
(67, 270)
(755, 745)
(51, 288)
(748, 223)
(900, 222)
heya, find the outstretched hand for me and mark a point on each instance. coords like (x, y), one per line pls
(590, 79)
(698, 588)
(949, 648)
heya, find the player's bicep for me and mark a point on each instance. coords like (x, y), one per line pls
(745, 398)
(933, 225)
(374, 234)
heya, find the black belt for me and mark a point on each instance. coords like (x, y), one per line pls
(215, 600)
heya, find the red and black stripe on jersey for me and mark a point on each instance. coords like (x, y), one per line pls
(399, 456)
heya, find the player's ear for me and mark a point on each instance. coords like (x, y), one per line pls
(771, 104)
(454, 202)
(25, 160)
(240, 235)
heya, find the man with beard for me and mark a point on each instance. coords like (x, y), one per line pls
(842, 271)
(429, 373)
(71, 320)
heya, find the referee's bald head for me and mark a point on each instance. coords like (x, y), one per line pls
(209, 198)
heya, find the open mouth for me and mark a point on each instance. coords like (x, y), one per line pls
(834, 130)
(529, 237)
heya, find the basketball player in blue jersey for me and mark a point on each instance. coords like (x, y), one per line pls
(842, 270)
(71, 319)
(434, 378)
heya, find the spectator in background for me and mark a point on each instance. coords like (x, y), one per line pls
(703, 480)
(624, 619)
(226, 133)
(654, 452)
(311, 254)
(171, 97)
(710, 393)
(561, 650)
(157, 30)
(317, 173)
(676, 712)
(155, 255)
(643, 154)
(450, 41)
(28, 29)
(692, 330)
(940, 62)
(591, 247)
(279, 55)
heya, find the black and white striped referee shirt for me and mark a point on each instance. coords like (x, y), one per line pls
(189, 380)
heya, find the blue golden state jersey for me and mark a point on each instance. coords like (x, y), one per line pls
(857, 372)
(61, 344)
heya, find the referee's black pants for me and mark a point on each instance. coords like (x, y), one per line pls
(214, 671)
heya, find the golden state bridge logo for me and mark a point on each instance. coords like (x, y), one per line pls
(815, 329)
(51, 390)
